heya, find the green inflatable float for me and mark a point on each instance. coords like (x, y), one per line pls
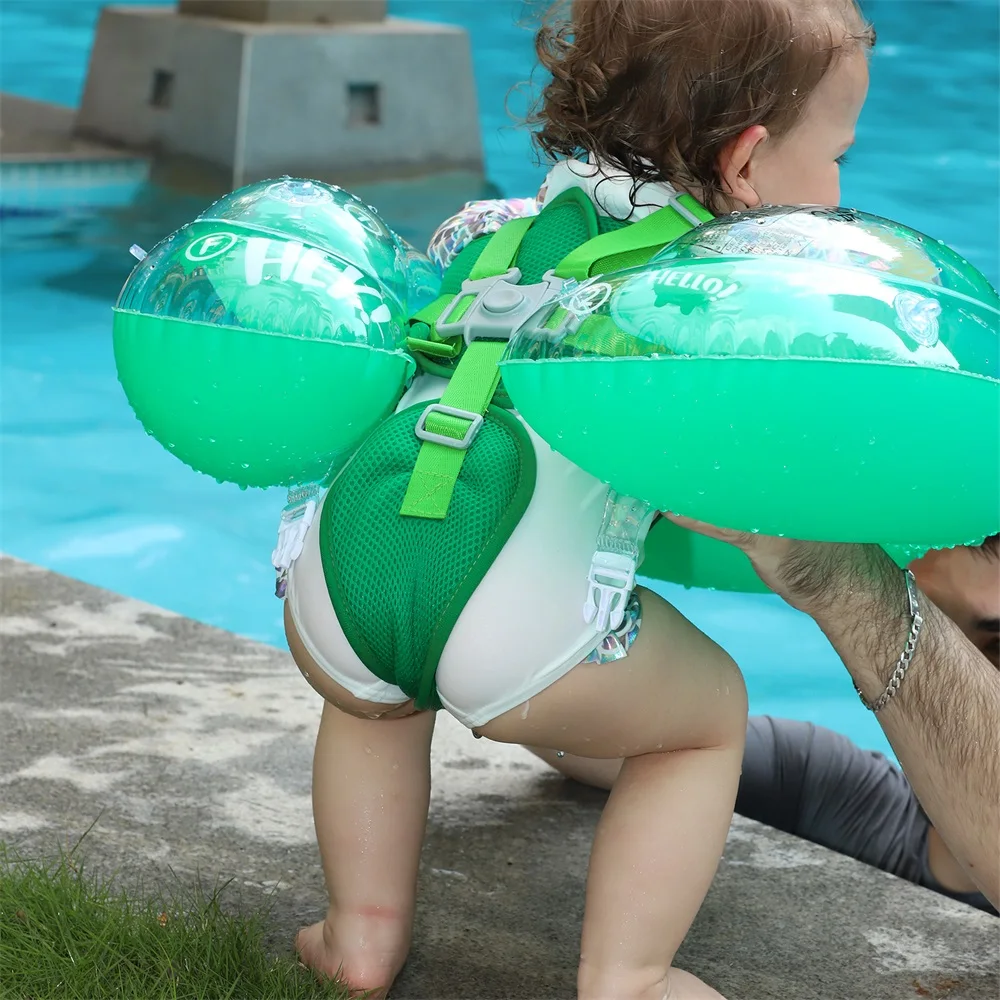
(816, 373)
(260, 343)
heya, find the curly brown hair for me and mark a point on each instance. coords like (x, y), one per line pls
(658, 87)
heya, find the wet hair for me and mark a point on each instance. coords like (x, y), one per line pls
(659, 87)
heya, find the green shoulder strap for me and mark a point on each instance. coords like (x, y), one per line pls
(651, 233)
(448, 427)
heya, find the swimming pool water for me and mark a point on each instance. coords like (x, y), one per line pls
(86, 493)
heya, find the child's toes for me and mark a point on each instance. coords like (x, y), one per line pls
(312, 951)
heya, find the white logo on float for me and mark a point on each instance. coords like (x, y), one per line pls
(697, 281)
(256, 259)
(210, 246)
(587, 298)
(310, 268)
(364, 218)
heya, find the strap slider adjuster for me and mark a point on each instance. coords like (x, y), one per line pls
(462, 443)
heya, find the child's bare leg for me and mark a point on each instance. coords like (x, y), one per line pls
(676, 709)
(371, 784)
(371, 789)
(586, 770)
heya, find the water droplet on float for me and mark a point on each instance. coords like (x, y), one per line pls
(716, 466)
(871, 440)
(245, 465)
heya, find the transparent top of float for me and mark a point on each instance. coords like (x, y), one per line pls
(319, 215)
(781, 282)
(289, 257)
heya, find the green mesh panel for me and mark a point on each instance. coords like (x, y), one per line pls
(398, 584)
(565, 224)
(605, 224)
(458, 270)
(561, 228)
(463, 263)
(543, 247)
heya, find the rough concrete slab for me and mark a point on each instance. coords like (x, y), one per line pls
(191, 748)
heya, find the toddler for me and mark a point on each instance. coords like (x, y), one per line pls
(735, 103)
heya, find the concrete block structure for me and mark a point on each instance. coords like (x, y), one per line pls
(288, 11)
(344, 101)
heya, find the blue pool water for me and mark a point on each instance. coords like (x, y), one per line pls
(85, 492)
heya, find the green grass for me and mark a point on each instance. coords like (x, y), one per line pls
(74, 937)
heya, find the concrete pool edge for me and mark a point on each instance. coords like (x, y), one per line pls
(191, 749)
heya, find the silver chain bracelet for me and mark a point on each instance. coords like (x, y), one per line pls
(906, 657)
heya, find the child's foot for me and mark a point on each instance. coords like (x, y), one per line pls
(365, 953)
(676, 985)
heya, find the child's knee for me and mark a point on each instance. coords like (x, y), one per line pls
(726, 721)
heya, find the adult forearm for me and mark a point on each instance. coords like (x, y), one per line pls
(943, 722)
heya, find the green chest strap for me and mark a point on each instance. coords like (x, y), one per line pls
(447, 428)
(476, 322)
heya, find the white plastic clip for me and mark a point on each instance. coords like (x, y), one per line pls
(616, 559)
(295, 524)
(611, 581)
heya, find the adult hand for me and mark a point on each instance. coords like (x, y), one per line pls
(809, 575)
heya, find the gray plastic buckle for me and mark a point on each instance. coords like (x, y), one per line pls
(462, 443)
(537, 327)
(500, 306)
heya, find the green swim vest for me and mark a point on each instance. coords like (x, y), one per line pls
(414, 521)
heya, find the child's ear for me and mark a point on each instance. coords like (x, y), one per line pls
(735, 162)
